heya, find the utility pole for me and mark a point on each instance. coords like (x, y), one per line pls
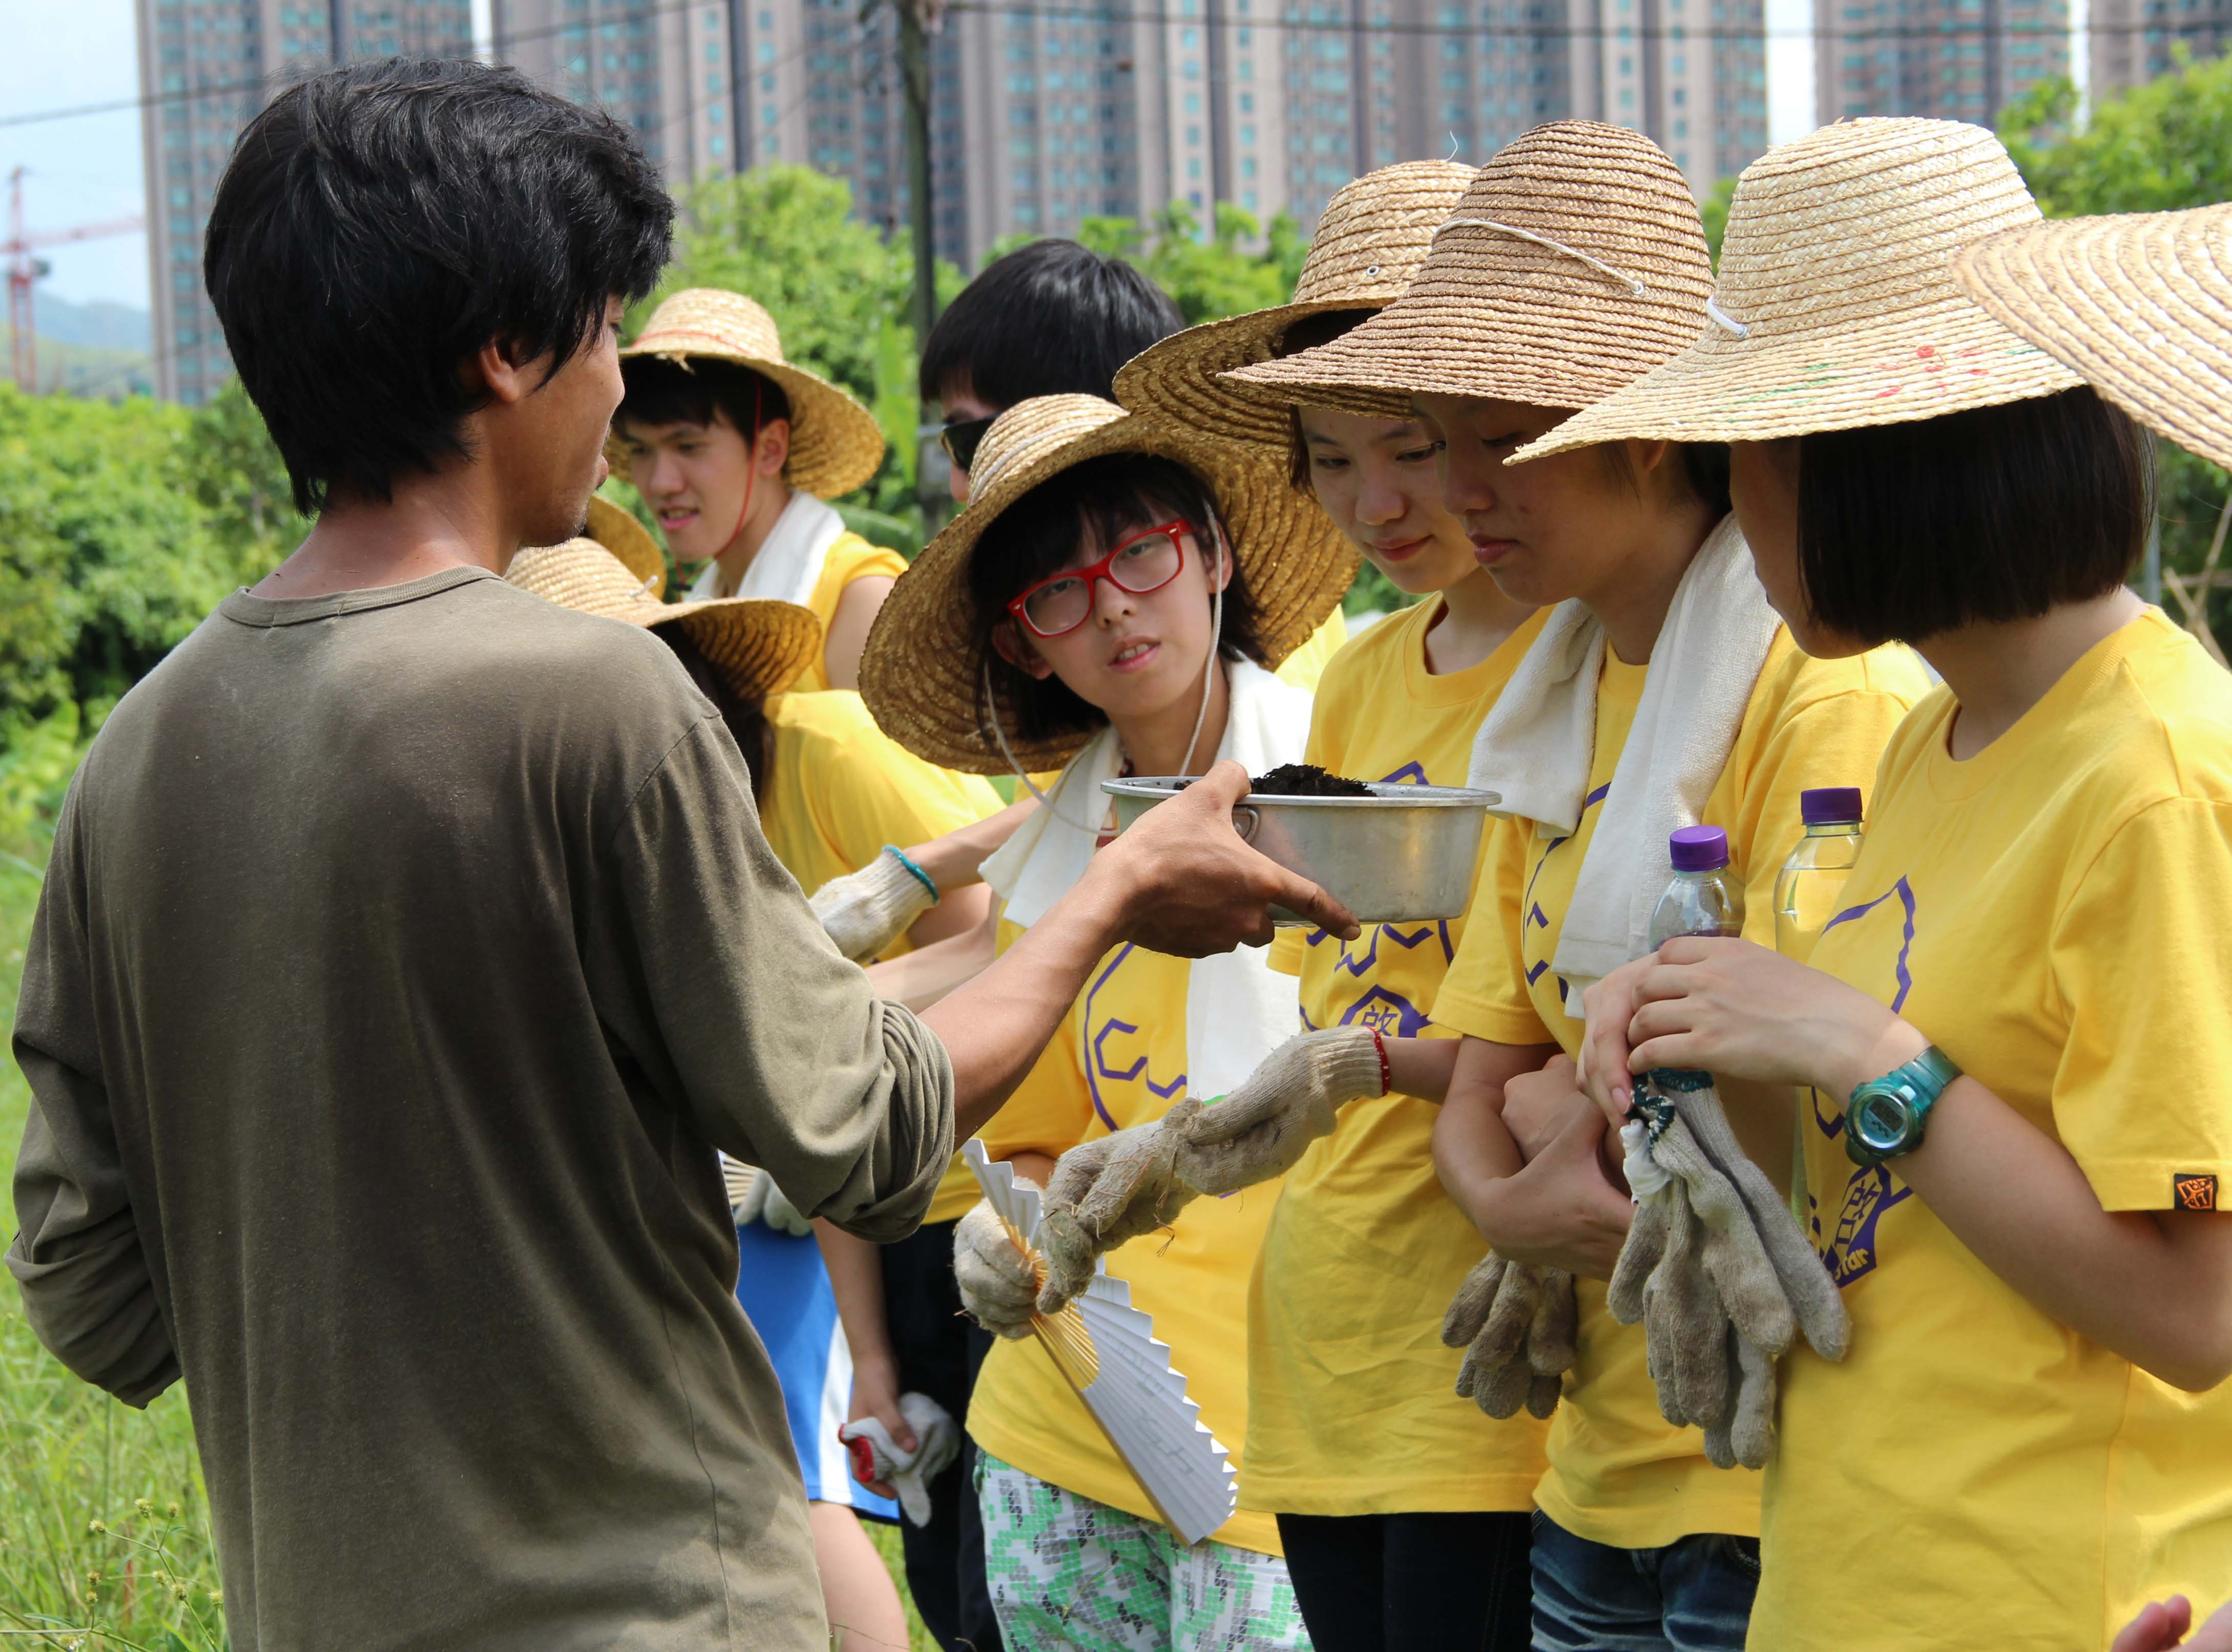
(918, 19)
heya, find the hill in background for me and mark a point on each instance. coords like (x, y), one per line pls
(98, 348)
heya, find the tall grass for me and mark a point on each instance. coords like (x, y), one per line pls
(104, 1525)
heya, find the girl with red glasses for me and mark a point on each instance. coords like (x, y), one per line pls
(1113, 601)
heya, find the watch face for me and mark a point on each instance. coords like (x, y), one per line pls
(1881, 1120)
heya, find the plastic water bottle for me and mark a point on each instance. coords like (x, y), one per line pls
(1703, 899)
(1812, 881)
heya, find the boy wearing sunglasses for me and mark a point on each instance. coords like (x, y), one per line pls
(1112, 601)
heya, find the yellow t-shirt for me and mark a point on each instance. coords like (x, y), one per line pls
(2052, 913)
(1352, 1399)
(840, 790)
(1119, 1060)
(1306, 664)
(1619, 1473)
(851, 558)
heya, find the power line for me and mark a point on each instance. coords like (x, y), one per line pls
(1104, 15)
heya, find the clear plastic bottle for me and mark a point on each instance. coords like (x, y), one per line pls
(1812, 881)
(1703, 899)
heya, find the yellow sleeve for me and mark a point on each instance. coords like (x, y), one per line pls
(876, 792)
(1306, 664)
(1051, 1109)
(1288, 949)
(2139, 962)
(1835, 741)
(1485, 995)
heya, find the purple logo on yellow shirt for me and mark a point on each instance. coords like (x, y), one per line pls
(1100, 1063)
(1849, 1252)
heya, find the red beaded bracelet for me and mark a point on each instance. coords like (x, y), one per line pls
(1387, 1072)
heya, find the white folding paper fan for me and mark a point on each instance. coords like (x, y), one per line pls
(1106, 1350)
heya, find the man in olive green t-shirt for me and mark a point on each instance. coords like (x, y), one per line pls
(410, 944)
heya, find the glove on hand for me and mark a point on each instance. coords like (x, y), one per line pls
(1105, 1191)
(1261, 1129)
(998, 1282)
(877, 1457)
(752, 1196)
(1715, 1268)
(1517, 1326)
(864, 911)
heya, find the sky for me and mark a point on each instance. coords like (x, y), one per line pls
(86, 169)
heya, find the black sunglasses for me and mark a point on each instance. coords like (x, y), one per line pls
(959, 439)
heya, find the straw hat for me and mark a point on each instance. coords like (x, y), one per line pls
(1573, 264)
(835, 443)
(1837, 306)
(922, 673)
(2141, 304)
(1372, 238)
(760, 645)
(620, 533)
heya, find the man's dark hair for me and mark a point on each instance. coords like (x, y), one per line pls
(1097, 502)
(380, 224)
(1996, 513)
(660, 391)
(1050, 318)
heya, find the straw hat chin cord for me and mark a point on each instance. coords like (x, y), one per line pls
(1635, 288)
(1200, 718)
(1725, 321)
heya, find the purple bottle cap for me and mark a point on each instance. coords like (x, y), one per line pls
(1699, 848)
(1830, 805)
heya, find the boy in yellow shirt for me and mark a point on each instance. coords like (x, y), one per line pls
(2013, 1032)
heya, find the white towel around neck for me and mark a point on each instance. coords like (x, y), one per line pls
(1238, 1009)
(1538, 743)
(788, 564)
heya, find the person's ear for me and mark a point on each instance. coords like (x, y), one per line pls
(1011, 645)
(772, 450)
(1220, 575)
(505, 375)
(1649, 456)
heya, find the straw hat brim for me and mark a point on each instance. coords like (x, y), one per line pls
(1923, 362)
(1184, 375)
(836, 442)
(2138, 303)
(922, 673)
(618, 532)
(759, 646)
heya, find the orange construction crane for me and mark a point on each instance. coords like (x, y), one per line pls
(23, 270)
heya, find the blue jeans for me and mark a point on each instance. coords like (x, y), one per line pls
(1692, 1596)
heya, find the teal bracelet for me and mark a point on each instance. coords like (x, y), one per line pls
(920, 875)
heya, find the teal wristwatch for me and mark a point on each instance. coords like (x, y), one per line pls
(1885, 1116)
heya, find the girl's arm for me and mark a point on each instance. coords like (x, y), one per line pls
(863, 600)
(856, 1277)
(918, 979)
(2154, 1287)
(961, 912)
(1558, 1209)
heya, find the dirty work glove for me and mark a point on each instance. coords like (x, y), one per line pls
(1261, 1131)
(864, 911)
(1517, 1326)
(1105, 1191)
(876, 1456)
(1745, 1438)
(998, 1281)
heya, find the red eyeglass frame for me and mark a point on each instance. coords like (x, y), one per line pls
(1174, 532)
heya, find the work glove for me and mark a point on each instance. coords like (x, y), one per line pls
(999, 1282)
(752, 1196)
(1517, 1326)
(1105, 1191)
(877, 1457)
(864, 911)
(1261, 1131)
(1718, 1271)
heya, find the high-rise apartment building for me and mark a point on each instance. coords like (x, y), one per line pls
(1947, 60)
(207, 67)
(1049, 111)
(2131, 41)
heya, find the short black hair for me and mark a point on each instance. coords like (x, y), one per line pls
(1906, 531)
(1308, 333)
(1053, 318)
(1704, 470)
(660, 391)
(378, 223)
(1042, 532)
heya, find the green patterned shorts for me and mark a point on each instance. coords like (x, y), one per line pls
(1067, 1573)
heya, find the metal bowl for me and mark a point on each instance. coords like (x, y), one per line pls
(1404, 854)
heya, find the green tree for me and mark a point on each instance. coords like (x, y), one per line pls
(2159, 147)
(1210, 276)
(1714, 209)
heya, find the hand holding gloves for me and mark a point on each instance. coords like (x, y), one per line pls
(865, 910)
(1517, 1326)
(876, 1456)
(1718, 1273)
